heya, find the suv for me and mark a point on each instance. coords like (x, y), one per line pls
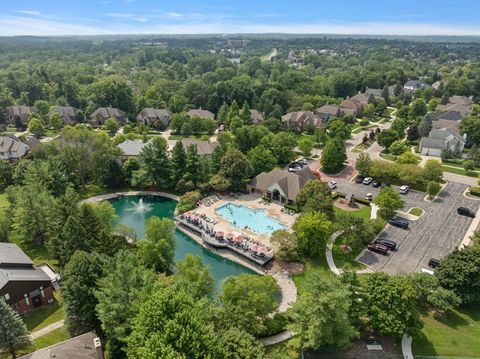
(367, 180)
(369, 197)
(359, 179)
(378, 248)
(391, 245)
(399, 222)
(404, 189)
(465, 212)
(433, 262)
(376, 183)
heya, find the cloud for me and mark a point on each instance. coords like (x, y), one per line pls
(29, 12)
(175, 15)
(120, 14)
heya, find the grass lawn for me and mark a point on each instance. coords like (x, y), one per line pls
(363, 128)
(54, 337)
(311, 266)
(363, 212)
(387, 156)
(416, 211)
(454, 335)
(347, 260)
(44, 316)
(37, 253)
(458, 171)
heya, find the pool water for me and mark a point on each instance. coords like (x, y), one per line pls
(244, 217)
(220, 267)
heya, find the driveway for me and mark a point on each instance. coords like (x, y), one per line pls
(434, 235)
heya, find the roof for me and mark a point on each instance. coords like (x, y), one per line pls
(155, 112)
(328, 109)
(453, 126)
(256, 116)
(374, 92)
(440, 138)
(432, 143)
(63, 111)
(80, 347)
(132, 147)
(288, 182)
(21, 110)
(463, 109)
(32, 142)
(460, 100)
(204, 148)
(201, 113)
(415, 84)
(9, 143)
(11, 254)
(302, 117)
(448, 115)
(108, 112)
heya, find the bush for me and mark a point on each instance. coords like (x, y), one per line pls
(433, 188)
(188, 201)
(475, 191)
(274, 325)
(363, 122)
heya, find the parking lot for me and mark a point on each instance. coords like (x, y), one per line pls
(435, 234)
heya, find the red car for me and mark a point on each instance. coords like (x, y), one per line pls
(378, 248)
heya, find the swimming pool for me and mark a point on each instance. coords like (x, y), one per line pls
(241, 216)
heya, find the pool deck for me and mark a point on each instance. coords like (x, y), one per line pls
(252, 201)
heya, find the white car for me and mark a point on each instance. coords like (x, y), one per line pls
(404, 189)
(332, 184)
(367, 180)
(369, 196)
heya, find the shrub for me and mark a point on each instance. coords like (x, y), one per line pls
(274, 325)
(433, 188)
(188, 201)
(363, 122)
(475, 191)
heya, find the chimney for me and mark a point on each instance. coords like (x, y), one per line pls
(98, 347)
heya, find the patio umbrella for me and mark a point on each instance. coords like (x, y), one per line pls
(219, 234)
(230, 236)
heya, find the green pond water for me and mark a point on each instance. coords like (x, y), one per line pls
(127, 210)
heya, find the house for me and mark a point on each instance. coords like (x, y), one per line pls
(460, 100)
(201, 113)
(438, 85)
(204, 148)
(132, 148)
(23, 286)
(328, 112)
(414, 85)
(256, 117)
(68, 114)
(452, 126)
(441, 139)
(463, 109)
(374, 92)
(154, 117)
(300, 119)
(354, 105)
(448, 115)
(85, 346)
(102, 114)
(281, 185)
(18, 115)
(11, 148)
(392, 90)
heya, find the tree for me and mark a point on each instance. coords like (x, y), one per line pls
(6, 174)
(111, 125)
(42, 107)
(156, 250)
(155, 161)
(4, 227)
(398, 147)
(195, 277)
(313, 229)
(305, 145)
(177, 162)
(425, 126)
(36, 126)
(432, 171)
(13, 331)
(471, 126)
(262, 160)
(56, 121)
(433, 188)
(192, 169)
(172, 325)
(112, 91)
(119, 294)
(387, 137)
(338, 129)
(469, 166)
(129, 166)
(234, 343)
(248, 137)
(418, 108)
(333, 156)
(412, 133)
(286, 245)
(432, 104)
(321, 315)
(460, 272)
(188, 201)
(389, 305)
(315, 196)
(235, 167)
(407, 158)
(80, 276)
(281, 144)
(389, 202)
(246, 114)
(363, 164)
(443, 300)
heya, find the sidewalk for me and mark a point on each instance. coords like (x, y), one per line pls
(49, 328)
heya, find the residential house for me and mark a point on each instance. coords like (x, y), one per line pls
(414, 85)
(281, 185)
(18, 115)
(377, 93)
(461, 100)
(201, 113)
(155, 117)
(328, 112)
(85, 346)
(441, 139)
(463, 109)
(354, 105)
(11, 148)
(204, 148)
(300, 119)
(132, 148)
(438, 85)
(256, 117)
(102, 114)
(22, 285)
(450, 120)
(392, 90)
(68, 114)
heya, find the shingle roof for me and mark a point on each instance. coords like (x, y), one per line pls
(256, 116)
(108, 112)
(67, 113)
(448, 115)
(9, 143)
(201, 113)
(328, 109)
(155, 112)
(132, 147)
(460, 100)
(10, 253)
(463, 109)
(374, 92)
(204, 148)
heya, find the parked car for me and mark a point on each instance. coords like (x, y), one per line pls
(368, 196)
(332, 184)
(404, 189)
(433, 262)
(367, 180)
(359, 179)
(465, 212)
(294, 167)
(399, 222)
(378, 248)
(391, 245)
(376, 183)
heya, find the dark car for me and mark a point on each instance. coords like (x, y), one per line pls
(386, 185)
(376, 184)
(433, 262)
(466, 212)
(391, 245)
(378, 248)
(359, 179)
(399, 222)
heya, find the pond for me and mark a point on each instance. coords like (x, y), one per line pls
(133, 211)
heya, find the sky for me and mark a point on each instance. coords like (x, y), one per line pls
(367, 17)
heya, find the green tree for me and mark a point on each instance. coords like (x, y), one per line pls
(112, 91)
(188, 201)
(471, 126)
(321, 315)
(192, 170)
(56, 121)
(129, 167)
(236, 168)
(315, 196)
(389, 305)
(338, 129)
(36, 126)
(80, 276)
(433, 188)
(194, 276)
(305, 145)
(155, 161)
(6, 174)
(111, 125)
(398, 147)
(407, 158)
(443, 300)
(286, 245)
(4, 227)
(313, 229)
(432, 171)
(333, 156)
(177, 162)
(234, 343)
(42, 107)
(389, 202)
(245, 113)
(262, 160)
(281, 144)
(418, 108)
(387, 137)
(13, 331)
(363, 164)
(425, 126)
(469, 166)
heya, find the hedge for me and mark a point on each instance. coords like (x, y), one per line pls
(475, 191)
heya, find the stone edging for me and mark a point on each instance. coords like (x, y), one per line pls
(107, 196)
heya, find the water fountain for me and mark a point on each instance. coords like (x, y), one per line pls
(141, 207)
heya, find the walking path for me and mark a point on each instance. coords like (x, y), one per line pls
(277, 338)
(107, 196)
(45, 330)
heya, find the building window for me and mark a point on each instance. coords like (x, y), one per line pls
(42, 292)
(27, 300)
(7, 296)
